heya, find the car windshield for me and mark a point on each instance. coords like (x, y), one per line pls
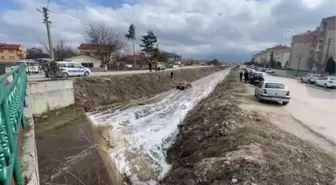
(274, 86)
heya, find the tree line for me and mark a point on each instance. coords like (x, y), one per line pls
(108, 45)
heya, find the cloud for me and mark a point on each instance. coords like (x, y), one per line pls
(225, 29)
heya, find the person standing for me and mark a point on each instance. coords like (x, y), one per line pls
(150, 66)
(171, 74)
(241, 75)
(246, 76)
(155, 66)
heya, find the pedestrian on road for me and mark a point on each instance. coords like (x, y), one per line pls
(171, 74)
(150, 66)
(155, 66)
(246, 76)
(241, 75)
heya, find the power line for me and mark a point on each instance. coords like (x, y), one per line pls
(69, 18)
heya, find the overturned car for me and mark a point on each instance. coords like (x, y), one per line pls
(184, 85)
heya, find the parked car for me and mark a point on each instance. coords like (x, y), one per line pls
(310, 78)
(326, 81)
(72, 69)
(272, 91)
(256, 78)
(183, 86)
(269, 70)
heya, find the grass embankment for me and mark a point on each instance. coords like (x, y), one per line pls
(219, 143)
(67, 150)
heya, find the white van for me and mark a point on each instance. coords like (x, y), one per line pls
(31, 66)
(73, 69)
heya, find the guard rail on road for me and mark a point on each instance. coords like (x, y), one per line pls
(12, 102)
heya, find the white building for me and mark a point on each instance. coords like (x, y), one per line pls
(86, 61)
(301, 50)
(281, 53)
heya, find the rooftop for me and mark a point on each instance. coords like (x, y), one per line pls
(93, 46)
(10, 46)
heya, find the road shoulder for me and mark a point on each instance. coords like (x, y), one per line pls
(222, 143)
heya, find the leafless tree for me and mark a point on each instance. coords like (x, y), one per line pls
(61, 50)
(105, 41)
(310, 63)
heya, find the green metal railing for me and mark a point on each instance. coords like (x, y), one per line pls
(12, 102)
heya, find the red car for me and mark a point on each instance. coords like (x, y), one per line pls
(183, 85)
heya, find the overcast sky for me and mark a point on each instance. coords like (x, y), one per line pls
(229, 30)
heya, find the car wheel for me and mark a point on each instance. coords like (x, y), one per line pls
(182, 88)
(285, 103)
(86, 73)
(325, 85)
(65, 75)
(309, 81)
(258, 98)
(301, 80)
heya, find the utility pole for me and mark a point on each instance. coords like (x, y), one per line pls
(47, 22)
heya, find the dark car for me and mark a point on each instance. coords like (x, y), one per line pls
(183, 85)
(256, 78)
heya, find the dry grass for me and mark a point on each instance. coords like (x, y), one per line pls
(67, 151)
(219, 143)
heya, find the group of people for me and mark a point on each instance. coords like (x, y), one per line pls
(156, 69)
(245, 74)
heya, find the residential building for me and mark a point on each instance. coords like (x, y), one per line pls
(172, 58)
(301, 50)
(89, 49)
(281, 54)
(258, 58)
(85, 60)
(323, 45)
(11, 53)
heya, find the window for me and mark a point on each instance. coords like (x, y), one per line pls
(320, 46)
(77, 65)
(274, 86)
(1, 51)
(88, 65)
(11, 51)
(3, 57)
(11, 57)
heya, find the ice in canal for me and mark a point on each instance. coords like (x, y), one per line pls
(141, 135)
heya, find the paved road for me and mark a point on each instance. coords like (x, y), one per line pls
(110, 73)
(313, 106)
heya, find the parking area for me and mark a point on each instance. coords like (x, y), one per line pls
(314, 107)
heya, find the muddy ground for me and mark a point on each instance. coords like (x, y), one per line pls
(94, 92)
(221, 143)
(67, 153)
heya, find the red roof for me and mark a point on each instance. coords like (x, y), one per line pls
(9, 46)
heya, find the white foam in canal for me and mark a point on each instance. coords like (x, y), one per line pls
(140, 135)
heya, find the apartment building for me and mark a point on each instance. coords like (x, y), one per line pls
(281, 53)
(257, 58)
(323, 45)
(301, 50)
(11, 53)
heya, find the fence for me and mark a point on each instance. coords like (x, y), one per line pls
(12, 101)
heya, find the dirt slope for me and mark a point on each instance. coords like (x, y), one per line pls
(220, 143)
(94, 92)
